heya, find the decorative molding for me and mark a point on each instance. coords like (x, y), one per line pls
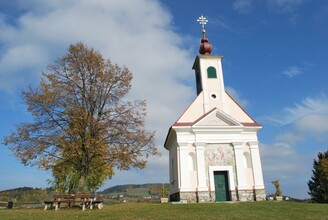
(200, 145)
(202, 189)
(237, 145)
(182, 146)
(253, 143)
(216, 117)
(259, 187)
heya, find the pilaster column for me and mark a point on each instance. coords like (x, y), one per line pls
(241, 179)
(256, 164)
(201, 175)
(183, 164)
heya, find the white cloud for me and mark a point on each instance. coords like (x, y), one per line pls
(310, 106)
(289, 138)
(292, 71)
(303, 129)
(308, 119)
(137, 34)
(282, 161)
(276, 150)
(157, 173)
(242, 6)
(314, 125)
(285, 5)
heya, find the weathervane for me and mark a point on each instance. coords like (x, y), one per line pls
(202, 20)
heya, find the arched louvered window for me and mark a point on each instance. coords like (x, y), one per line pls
(211, 72)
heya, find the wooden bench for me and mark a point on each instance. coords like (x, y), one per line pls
(88, 199)
(82, 200)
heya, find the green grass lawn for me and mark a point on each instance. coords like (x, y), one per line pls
(241, 210)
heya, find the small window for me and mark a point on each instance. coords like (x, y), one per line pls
(211, 72)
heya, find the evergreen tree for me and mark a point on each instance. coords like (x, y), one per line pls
(318, 185)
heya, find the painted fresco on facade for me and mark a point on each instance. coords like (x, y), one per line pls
(219, 155)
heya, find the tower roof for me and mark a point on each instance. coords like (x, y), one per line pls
(205, 47)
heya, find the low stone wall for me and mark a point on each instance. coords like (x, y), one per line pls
(193, 197)
(189, 197)
(233, 195)
(212, 196)
(251, 195)
(201, 197)
(246, 195)
(260, 195)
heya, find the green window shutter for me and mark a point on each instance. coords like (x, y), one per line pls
(211, 72)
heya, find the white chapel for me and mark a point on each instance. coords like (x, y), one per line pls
(213, 146)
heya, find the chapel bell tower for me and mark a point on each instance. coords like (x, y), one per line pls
(208, 73)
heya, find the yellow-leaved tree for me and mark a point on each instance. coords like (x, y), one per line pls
(83, 128)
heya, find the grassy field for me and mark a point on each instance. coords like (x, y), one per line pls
(243, 210)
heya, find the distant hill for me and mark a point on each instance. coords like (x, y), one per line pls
(24, 194)
(135, 190)
(36, 195)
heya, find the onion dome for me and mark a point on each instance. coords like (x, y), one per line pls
(205, 47)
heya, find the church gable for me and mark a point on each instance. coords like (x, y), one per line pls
(216, 118)
(237, 112)
(194, 111)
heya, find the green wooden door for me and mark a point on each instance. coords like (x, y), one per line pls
(221, 186)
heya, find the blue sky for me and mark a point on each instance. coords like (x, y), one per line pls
(275, 65)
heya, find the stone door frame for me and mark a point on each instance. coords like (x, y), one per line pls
(229, 171)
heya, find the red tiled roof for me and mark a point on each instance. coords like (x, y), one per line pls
(249, 124)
